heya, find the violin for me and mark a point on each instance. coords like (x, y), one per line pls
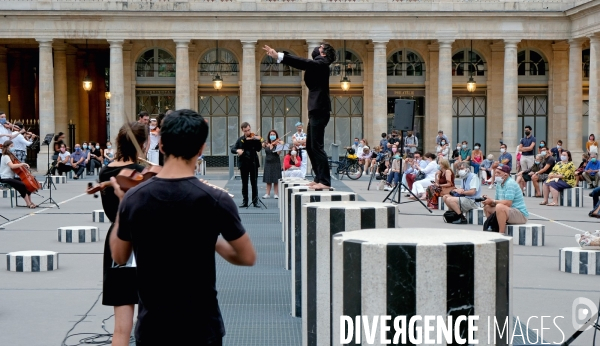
(26, 177)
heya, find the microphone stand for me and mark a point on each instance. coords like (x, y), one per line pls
(48, 182)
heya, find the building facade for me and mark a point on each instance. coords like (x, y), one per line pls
(534, 63)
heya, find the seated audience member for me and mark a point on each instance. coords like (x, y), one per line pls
(595, 194)
(579, 171)
(383, 141)
(78, 162)
(456, 154)
(461, 200)
(542, 174)
(393, 174)
(444, 183)
(524, 176)
(412, 170)
(291, 164)
(590, 173)
(476, 158)
(485, 169)
(591, 145)
(542, 146)
(442, 150)
(364, 158)
(465, 154)
(505, 159)
(556, 151)
(419, 186)
(7, 175)
(441, 137)
(562, 177)
(63, 164)
(508, 202)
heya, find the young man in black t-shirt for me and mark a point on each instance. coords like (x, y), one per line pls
(173, 222)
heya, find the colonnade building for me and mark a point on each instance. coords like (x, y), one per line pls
(533, 63)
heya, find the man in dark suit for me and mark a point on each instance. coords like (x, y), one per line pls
(316, 77)
(247, 147)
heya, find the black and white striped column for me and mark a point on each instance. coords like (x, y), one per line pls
(285, 185)
(58, 179)
(99, 216)
(320, 221)
(293, 246)
(475, 216)
(31, 261)
(529, 234)
(419, 272)
(287, 208)
(280, 191)
(576, 260)
(530, 191)
(8, 193)
(572, 197)
(78, 234)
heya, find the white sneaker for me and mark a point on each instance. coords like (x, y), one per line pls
(491, 186)
(387, 188)
(276, 197)
(266, 197)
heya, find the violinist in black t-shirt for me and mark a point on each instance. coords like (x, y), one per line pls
(175, 255)
(247, 147)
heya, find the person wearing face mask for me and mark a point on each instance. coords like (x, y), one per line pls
(441, 137)
(109, 153)
(411, 142)
(291, 164)
(485, 169)
(556, 151)
(462, 199)
(527, 149)
(316, 78)
(505, 159)
(20, 144)
(393, 172)
(547, 165)
(419, 186)
(272, 164)
(591, 145)
(508, 203)
(524, 176)
(383, 141)
(94, 158)
(456, 154)
(411, 171)
(476, 158)
(562, 177)
(7, 175)
(364, 158)
(78, 162)
(64, 160)
(444, 183)
(585, 158)
(465, 152)
(299, 140)
(154, 137)
(542, 146)
(590, 173)
(442, 150)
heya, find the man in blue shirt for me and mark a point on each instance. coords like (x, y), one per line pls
(590, 173)
(78, 161)
(527, 149)
(508, 203)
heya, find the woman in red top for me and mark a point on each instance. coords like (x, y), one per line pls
(291, 164)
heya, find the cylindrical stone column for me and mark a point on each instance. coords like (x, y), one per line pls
(575, 98)
(99, 216)
(320, 222)
(248, 94)
(4, 76)
(283, 183)
(511, 95)
(182, 75)
(445, 87)
(299, 198)
(60, 89)
(594, 105)
(46, 98)
(117, 89)
(576, 260)
(78, 234)
(420, 272)
(379, 86)
(31, 261)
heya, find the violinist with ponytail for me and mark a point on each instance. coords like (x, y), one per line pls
(7, 175)
(272, 172)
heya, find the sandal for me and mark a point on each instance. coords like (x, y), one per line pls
(552, 205)
(544, 203)
(538, 196)
(32, 206)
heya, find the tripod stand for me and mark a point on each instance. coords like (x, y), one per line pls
(48, 182)
(396, 190)
(256, 200)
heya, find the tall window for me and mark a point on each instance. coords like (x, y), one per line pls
(270, 68)
(405, 63)
(155, 101)
(468, 120)
(585, 61)
(155, 63)
(222, 114)
(346, 121)
(280, 112)
(531, 63)
(533, 111)
(225, 64)
(466, 63)
(349, 61)
(585, 128)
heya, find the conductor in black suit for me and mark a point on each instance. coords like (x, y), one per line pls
(316, 77)
(247, 147)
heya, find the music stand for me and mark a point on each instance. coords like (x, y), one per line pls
(48, 182)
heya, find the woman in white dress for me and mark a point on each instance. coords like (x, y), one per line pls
(420, 186)
(153, 146)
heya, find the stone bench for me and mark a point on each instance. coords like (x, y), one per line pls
(572, 197)
(78, 234)
(293, 246)
(475, 216)
(576, 260)
(99, 216)
(320, 221)
(412, 271)
(529, 234)
(31, 261)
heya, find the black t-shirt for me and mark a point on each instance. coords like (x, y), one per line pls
(110, 202)
(97, 153)
(173, 225)
(549, 161)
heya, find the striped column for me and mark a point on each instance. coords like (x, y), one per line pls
(8, 193)
(529, 234)
(284, 185)
(31, 261)
(320, 222)
(293, 247)
(530, 191)
(576, 260)
(287, 210)
(280, 191)
(572, 197)
(78, 234)
(99, 216)
(58, 179)
(421, 272)
(475, 216)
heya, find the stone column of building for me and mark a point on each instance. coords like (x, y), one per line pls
(557, 92)
(495, 90)
(73, 90)
(249, 96)
(379, 87)
(46, 99)
(310, 46)
(193, 80)
(60, 89)
(431, 96)
(182, 75)
(594, 105)
(4, 80)
(510, 96)
(129, 76)
(117, 90)
(445, 87)
(575, 98)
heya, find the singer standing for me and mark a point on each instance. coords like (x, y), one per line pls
(247, 147)
(316, 77)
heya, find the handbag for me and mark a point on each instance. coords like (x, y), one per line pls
(491, 224)
(450, 216)
(420, 176)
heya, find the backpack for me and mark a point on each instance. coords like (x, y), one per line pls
(450, 216)
(491, 224)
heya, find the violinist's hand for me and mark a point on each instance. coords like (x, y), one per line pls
(118, 192)
(257, 137)
(240, 152)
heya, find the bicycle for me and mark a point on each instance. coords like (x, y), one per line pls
(348, 166)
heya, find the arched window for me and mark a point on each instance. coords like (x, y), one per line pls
(531, 63)
(349, 61)
(225, 65)
(468, 63)
(405, 63)
(585, 60)
(270, 68)
(155, 63)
